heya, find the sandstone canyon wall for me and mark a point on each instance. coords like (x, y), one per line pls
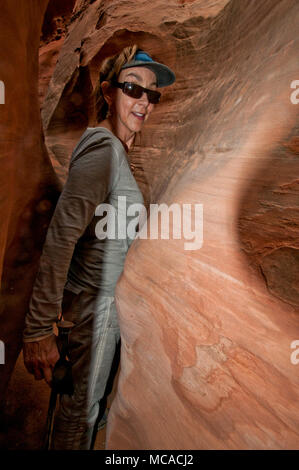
(29, 186)
(206, 333)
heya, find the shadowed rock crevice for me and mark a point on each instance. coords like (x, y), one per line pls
(29, 186)
(269, 217)
(56, 19)
(281, 270)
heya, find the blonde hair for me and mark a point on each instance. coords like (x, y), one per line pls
(109, 71)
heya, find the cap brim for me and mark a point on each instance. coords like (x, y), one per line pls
(164, 75)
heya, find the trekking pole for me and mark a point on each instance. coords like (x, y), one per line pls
(62, 382)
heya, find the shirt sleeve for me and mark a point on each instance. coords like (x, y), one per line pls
(91, 178)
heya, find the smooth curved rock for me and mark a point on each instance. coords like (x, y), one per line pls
(29, 186)
(206, 334)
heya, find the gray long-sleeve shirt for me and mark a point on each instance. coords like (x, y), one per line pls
(73, 256)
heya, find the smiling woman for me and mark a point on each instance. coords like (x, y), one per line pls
(78, 272)
(127, 112)
(138, 79)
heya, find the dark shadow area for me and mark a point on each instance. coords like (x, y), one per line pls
(56, 18)
(269, 221)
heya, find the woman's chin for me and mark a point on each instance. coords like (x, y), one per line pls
(136, 121)
(136, 127)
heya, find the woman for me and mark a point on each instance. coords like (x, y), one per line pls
(77, 265)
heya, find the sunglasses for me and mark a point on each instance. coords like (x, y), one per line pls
(136, 91)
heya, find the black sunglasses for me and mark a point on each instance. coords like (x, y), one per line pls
(135, 91)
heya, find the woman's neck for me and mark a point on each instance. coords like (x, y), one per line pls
(127, 142)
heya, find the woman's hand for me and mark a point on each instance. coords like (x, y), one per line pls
(40, 357)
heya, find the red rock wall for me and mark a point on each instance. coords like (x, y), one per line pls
(28, 182)
(206, 334)
(54, 30)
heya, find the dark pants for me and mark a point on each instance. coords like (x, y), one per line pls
(92, 345)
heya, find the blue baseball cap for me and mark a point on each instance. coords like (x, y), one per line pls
(164, 75)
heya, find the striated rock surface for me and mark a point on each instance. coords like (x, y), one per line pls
(29, 186)
(57, 18)
(206, 333)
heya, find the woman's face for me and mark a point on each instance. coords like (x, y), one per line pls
(125, 107)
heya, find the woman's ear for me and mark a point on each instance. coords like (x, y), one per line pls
(107, 92)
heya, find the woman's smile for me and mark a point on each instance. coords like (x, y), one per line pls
(140, 116)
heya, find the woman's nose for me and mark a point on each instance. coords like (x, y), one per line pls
(144, 98)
